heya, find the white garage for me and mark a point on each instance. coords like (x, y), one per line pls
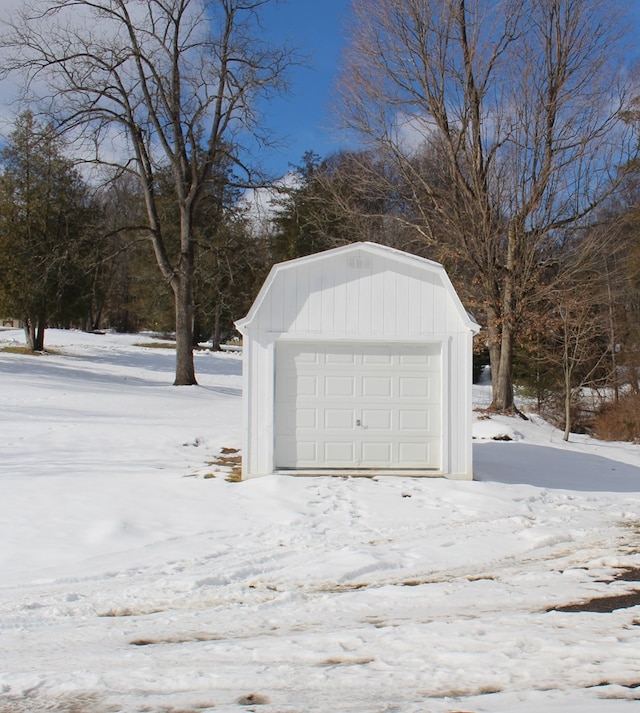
(357, 360)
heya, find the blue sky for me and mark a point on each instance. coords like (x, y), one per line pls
(303, 118)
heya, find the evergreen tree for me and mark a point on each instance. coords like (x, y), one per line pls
(43, 211)
(331, 202)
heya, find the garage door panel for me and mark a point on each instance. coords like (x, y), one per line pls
(377, 419)
(340, 419)
(357, 405)
(306, 451)
(425, 355)
(375, 387)
(416, 452)
(293, 419)
(339, 355)
(305, 356)
(377, 454)
(303, 418)
(337, 452)
(296, 450)
(375, 357)
(412, 357)
(339, 387)
(413, 420)
(302, 386)
(414, 387)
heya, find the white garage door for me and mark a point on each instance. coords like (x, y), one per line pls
(357, 406)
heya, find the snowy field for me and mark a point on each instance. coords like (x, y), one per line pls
(132, 580)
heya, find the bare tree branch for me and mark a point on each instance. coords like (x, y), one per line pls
(149, 85)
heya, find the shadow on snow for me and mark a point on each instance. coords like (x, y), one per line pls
(546, 467)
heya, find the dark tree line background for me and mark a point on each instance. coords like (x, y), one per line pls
(498, 137)
(72, 255)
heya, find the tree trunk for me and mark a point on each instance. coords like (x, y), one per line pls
(39, 335)
(503, 386)
(185, 370)
(183, 292)
(95, 319)
(503, 389)
(217, 329)
(567, 405)
(30, 334)
(493, 339)
(612, 336)
(567, 390)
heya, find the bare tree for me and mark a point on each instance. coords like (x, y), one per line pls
(573, 335)
(151, 84)
(505, 121)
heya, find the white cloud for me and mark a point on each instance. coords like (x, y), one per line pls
(412, 130)
(262, 204)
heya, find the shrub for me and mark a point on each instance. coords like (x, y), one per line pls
(619, 421)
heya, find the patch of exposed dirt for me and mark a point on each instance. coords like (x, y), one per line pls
(604, 605)
(341, 661)
(177, 640)
(253, 699)
(616, 683)
(628, 574)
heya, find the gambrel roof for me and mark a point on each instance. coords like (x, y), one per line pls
(288, 300)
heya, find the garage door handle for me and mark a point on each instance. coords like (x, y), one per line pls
(359, 423)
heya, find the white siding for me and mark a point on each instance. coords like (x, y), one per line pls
(359, 292)
(347, 296)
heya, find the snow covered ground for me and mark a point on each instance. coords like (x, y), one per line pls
(131, 580)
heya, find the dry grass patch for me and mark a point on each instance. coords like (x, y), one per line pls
(228, 462)
(22, 349)
(71, 703)
(156, 345)
(464, 692)
(346, 661)
(185, 639)
(125, 611)
(194, 708)
(619, 421)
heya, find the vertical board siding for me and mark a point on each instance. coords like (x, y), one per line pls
(349, 295)
(370, 299)
(328, 301)
(272, 312)
(376, 322)
(388, 304)
(403, 316)
(426, 323)
(365, 301)
(339, 271)
(352, 301)
(315, 304)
